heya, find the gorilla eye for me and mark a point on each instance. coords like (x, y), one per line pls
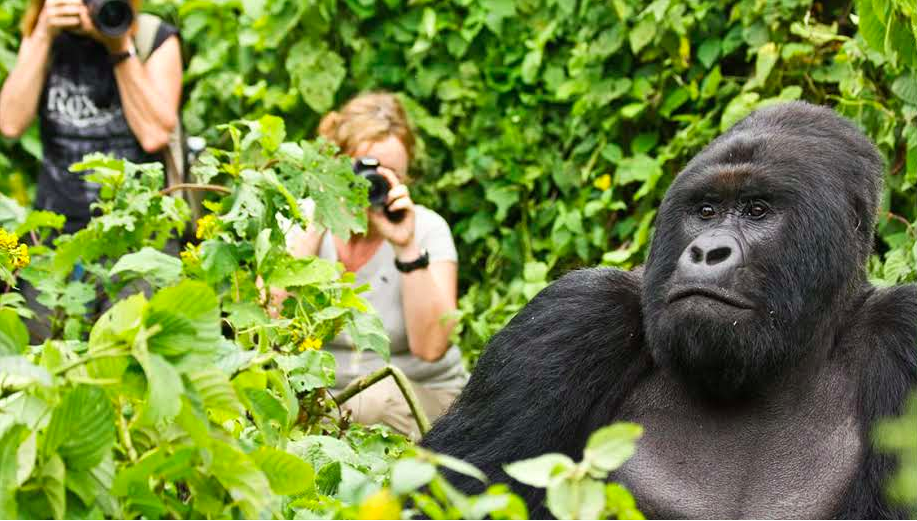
(707, 212)
(757, 210)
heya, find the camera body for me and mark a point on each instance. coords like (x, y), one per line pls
(368, 168)
(112, 18)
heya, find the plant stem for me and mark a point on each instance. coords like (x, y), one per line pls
(95, 356)
(361, 384)
(195, 187)
(124, 431)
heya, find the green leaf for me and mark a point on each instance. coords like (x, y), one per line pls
(243, 479)
(316, 71)
(609, 447)
(273, 132)
(218, 260)
(9, 446)
(462, 467)
(268, 412)
(164, 389)
(905, 87)
(287, 474)
(709, 52)
(768, 54)
(871, 27)
(368, 333)
(215, 390)
(18, 371)
(153, 265)
(50, 479)
(82, 429)
(739, 107)
(582, 499)
(640, 167)
(539, 471)
(642, 34)
(14, 337)
(308, 370)
(188, 319)
(303, 272)
(410, 474)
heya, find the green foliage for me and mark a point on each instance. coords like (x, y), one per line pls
(896, 435)
(579, 490)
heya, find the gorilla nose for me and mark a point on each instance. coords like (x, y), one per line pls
(709, 258)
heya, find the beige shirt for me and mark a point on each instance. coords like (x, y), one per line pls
(432, 233)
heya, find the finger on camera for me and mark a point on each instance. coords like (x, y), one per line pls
(65, 21)
(397, 192)
(66, 10)
(389, 175)
(400, 204)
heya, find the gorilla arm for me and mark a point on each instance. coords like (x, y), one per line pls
(884, 338)
(574, 349)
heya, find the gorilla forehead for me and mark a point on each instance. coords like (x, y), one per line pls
(792, 147)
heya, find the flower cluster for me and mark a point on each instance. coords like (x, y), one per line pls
(18, 254)
(310, 343)
(191, 255)
(207, 227)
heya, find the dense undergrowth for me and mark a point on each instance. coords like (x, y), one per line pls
(550, 129)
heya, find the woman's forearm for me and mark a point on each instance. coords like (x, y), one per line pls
(428, 295)
(149, 113)
(23, 87)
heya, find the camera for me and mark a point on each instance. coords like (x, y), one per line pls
(111, 17)
(368, 168)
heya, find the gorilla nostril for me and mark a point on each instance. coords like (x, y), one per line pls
(697, 255)
(718, 255)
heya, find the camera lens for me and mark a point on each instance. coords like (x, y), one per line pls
(378, 189)
(111, 17)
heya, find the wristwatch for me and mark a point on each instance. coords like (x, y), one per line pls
(420, 262)
(118, 57)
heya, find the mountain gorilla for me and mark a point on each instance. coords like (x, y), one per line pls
(752, 348)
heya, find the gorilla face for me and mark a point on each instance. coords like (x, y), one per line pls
(758, 243)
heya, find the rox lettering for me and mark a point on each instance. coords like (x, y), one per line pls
(69, 103)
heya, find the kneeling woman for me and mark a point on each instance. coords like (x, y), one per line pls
(410, 264)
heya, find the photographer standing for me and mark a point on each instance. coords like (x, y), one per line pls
(407, 257)
(80, 72)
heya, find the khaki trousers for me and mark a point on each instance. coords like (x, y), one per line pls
(384, 403)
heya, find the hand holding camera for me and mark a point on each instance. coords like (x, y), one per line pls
(107, 21)
(391, 208)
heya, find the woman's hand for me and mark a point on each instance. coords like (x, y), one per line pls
(57, 15)
(399, 234)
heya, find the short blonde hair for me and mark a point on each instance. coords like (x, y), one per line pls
(30, 18)
(368, 118)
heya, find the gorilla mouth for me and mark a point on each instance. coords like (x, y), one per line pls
(708, 292)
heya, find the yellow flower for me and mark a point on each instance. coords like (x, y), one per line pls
(310, 343)
(17, 253)
(602, 183)
(207, 227)
(381, 505)
(8, 240)
(20, 256)
(191, 255)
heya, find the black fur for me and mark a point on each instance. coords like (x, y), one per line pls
(745, 392)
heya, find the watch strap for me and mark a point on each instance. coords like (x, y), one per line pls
(420, 262)
(118, 57)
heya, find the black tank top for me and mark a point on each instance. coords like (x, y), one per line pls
(80, 112)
